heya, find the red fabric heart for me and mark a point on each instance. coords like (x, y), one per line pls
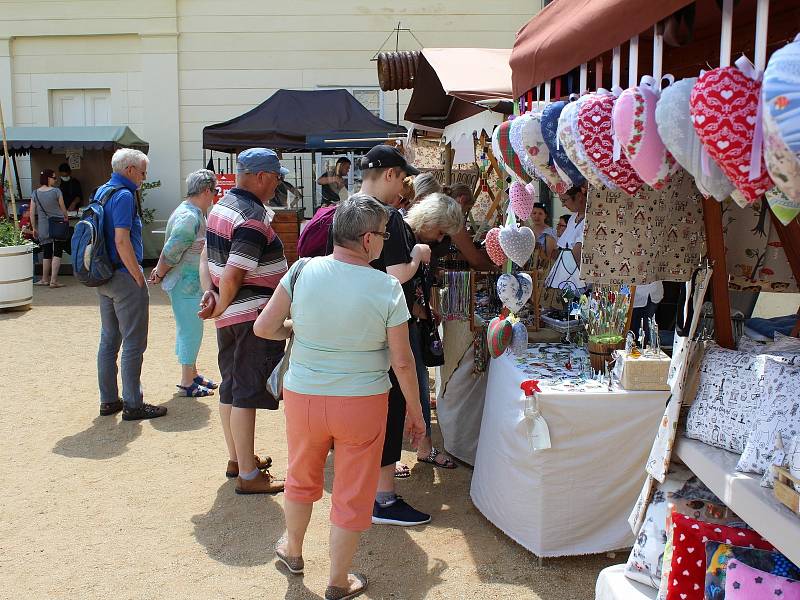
(687, 578)
(594, 129)
(508, 156)
(724, 108)
(493, 248)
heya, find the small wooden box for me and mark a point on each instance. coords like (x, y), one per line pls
(647, 372)
(785, 491)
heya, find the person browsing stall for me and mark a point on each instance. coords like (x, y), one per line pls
(336, 387)
(463, 239)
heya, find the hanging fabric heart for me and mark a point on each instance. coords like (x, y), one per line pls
(539, 155)
(783, 208)
(493, 248)
(550, 120)
(724, 106)
(514, 291)
(519, 339)
(568, 139)
(501, 144)
(781, 120)
(515, 136)
(517, 243)
(675, 127)
(595, 134)
(521, 200)
(498, 336)
(635, 127)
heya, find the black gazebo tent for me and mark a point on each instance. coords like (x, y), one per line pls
(301, 121)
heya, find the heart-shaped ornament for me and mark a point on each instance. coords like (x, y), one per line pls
(514, 290)
(568, 138)
(519, 339)
(551, 115)
(727, 97)
(517, 243)
(493, 248)
(595, 133)
(498, 336)
(538, 154)
(501, 142)
(521, 200)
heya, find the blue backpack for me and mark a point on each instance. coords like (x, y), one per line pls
(91, 263)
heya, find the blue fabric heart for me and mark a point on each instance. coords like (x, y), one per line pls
(550, 116)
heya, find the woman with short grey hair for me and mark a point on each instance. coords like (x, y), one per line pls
(178, 272)
(350, 324)
(425, 184)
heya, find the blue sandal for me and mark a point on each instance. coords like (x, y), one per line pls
(195, 391)
(206, 383)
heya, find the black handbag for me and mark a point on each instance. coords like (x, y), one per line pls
(432, 347)
(58, 226)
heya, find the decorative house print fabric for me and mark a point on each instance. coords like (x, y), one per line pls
(754, 253)
(778, 413)
(719, 556)
(675, 126)
(595, 132)
(653, 235)
(637, 132)
(746, 583)
(724, 106)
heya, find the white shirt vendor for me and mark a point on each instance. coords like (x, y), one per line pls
(572, 235)
(649, 292)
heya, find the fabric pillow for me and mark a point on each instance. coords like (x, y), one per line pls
(728, 395)
(724, 107)
(778, 413)
(746, 583)
(637, 132)
(550, 121)
(515, 137)
(645, 560)
(687, 575)
(504, 153)
(719, 556)
(587, 168)
(539, 155)
(595, 134)
(784, 343)
(677, 132)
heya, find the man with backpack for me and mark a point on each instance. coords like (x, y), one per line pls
(124, 300)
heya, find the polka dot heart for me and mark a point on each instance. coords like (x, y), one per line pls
(493, 248)
(517, 243)
(521, 200)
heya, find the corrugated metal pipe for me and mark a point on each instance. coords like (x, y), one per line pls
(397, 70)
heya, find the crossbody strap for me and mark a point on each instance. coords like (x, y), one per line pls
(301, 262)
(39, 204)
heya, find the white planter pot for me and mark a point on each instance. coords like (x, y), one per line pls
(16, 275)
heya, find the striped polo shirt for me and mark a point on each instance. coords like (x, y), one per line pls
(239, 234)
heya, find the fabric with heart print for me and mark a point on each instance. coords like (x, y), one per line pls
(537, 154)
(724, 108)
(688, 572)
(551, 118)
(595, 127)
(674, 121)
(501, 146)
(517, 243)
(493, 248)
(744, 582)
(498, 336)
(780, 116)
(521, 200)
(514, 290)
(568, 138)
(635, 126)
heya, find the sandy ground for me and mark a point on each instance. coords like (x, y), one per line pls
(94, 507)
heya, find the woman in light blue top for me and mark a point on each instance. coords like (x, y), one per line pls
(545, 235)
(178, 271)
(350, 324)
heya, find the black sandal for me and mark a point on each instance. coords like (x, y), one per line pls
(195, 391)
(431, 460)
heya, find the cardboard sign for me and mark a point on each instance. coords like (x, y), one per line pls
(225, 182)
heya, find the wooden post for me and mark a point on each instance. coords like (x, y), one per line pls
(715, 250)
(630, 316)
(8, 164)
(448, 164)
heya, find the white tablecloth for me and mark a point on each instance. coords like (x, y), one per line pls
(575, 497)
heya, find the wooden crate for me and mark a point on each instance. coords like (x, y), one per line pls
(785, 491)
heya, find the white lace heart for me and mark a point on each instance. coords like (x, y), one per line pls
(518, 243)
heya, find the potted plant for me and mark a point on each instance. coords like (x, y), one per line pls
(16, 266)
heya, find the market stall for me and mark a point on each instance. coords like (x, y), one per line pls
(718, 149)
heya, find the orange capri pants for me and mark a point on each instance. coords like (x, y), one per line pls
(355, 426)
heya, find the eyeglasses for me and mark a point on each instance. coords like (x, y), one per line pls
(384, 234)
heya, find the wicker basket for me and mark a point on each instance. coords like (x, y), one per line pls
(601, 354)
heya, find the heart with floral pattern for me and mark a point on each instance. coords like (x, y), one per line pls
(724, 108)
(539, 155)
(493, 248)
(514, 290)
(595, 134)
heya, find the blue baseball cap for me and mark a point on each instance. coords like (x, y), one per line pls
(256, 160)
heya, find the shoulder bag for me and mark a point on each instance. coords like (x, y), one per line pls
(432, 347)
(275, 380)
(58, 226)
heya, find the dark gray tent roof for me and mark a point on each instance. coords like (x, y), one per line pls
(106, 137)
(301, 120)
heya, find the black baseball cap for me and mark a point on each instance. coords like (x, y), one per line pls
(383, 156)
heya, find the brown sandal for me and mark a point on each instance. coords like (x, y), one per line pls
(339, 593)
(295, 564)
(262, 464)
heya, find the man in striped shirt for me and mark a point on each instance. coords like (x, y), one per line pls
(245, 263)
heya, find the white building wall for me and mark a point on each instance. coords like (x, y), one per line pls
(175, 66)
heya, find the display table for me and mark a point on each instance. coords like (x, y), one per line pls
(613, 585)
(575, 497)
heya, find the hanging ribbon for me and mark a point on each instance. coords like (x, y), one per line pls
(748, 68)
(617, 152)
